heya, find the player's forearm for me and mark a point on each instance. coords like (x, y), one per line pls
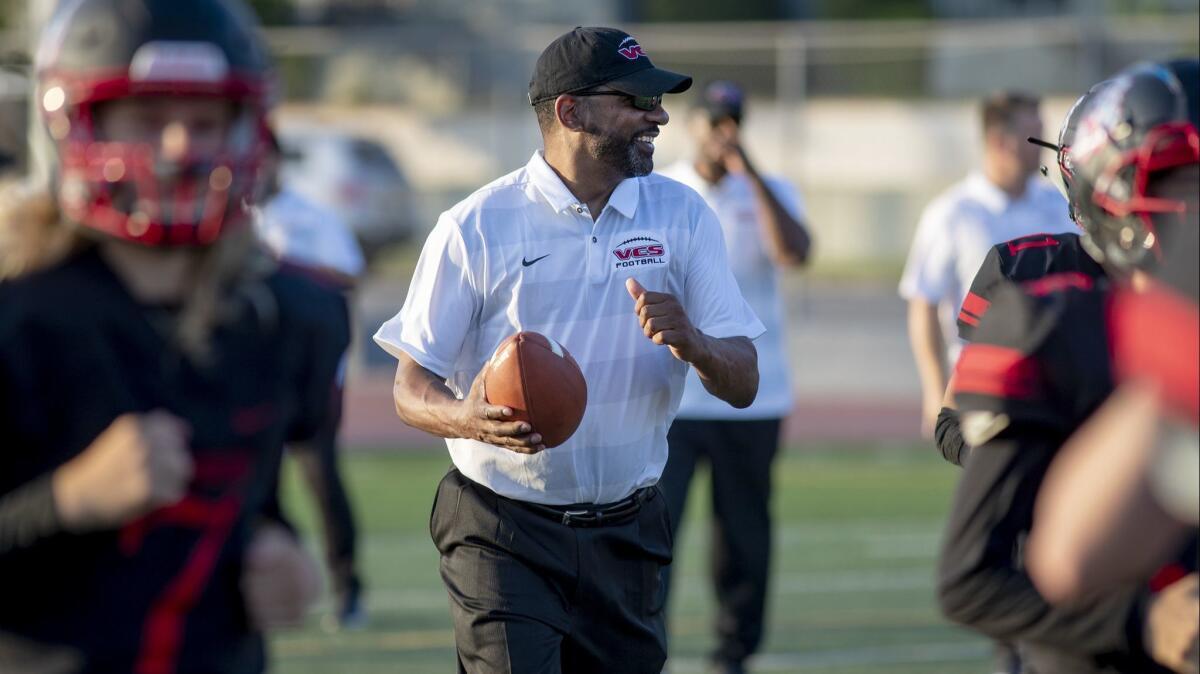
(1097, 524)
(728, 368)
(788, 241)
(1002, 603)
(925, 339)
(423, 400)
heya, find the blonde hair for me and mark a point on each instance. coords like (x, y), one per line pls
(31, 234)
(34, 236)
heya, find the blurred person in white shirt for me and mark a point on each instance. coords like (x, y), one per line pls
(1004, 199)
(762, 219)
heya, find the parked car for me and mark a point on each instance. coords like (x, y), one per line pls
(355, 176)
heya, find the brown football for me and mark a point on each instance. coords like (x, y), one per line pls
(541, 382)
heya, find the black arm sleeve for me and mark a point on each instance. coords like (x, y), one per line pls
(27, 514)
(948, 435)
(980, 580)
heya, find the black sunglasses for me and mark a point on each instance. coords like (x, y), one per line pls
(646, 103)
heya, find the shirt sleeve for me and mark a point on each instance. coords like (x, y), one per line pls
(320, 378)
(788, 197)
(1001, 377)
(348, 258)
(309, 235)
(929, 270)
(441, 306)
(28, 514)
(979, 297)
(712, 299)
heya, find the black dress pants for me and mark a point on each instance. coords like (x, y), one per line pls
(740, 455)
(530, 595)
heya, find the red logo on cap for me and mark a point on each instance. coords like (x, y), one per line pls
(633, 51)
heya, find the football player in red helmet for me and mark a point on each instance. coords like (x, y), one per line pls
(1041, 364)
(152, 362)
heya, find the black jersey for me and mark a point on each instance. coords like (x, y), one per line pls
(1021, 260)
(1027, 258)
(1039, 366)
(76, 350)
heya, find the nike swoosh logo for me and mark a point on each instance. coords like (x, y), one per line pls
(526, 263)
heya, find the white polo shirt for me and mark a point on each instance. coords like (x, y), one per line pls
(523, 253)
(308, 234)
(957, 230)
(733, 200)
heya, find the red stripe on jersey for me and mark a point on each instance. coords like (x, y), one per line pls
(1056, 282)
(162, 634)
(1014, 248)
(1167, 576)
(976, 304)
(968, 319)
(986, 369)
(1155, 336)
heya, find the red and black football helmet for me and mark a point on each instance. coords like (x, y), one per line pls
(94, 51)
(1142, 123)
(1062, 151)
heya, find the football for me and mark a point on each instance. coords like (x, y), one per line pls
(541, 382)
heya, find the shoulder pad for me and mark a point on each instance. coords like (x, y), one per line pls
(1027, 259)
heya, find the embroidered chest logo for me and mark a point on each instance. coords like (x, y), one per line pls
(639, 250)
(630, 49)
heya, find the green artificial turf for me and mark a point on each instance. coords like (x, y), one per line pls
(857, 531)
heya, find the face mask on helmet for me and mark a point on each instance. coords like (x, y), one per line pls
(1063, 151)
(1139, 126)
(160, 141)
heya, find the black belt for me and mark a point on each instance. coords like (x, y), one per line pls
(606, 514)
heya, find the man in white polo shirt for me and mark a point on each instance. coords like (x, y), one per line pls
(1002, 201)
(762, 219)
(533, 590)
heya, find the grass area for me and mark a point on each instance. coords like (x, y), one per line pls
(857, 535)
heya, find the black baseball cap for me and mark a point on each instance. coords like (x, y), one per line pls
(589, 57)
(722, 99)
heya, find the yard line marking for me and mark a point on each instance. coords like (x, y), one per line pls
(858, 657)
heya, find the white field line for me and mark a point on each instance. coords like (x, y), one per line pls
(400, 641)
(856, 657)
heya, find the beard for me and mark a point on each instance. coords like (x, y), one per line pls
(618, 153)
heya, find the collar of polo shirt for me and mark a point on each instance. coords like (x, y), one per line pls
(624, 198)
